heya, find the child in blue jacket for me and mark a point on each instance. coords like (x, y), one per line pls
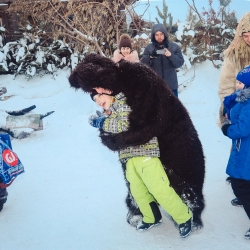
(238, 168)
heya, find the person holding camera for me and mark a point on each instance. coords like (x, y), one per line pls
(163, 57)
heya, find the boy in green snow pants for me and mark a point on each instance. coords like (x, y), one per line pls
(149, 182)
(144, 171)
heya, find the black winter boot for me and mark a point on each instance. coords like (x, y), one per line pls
(185, 228)
(143, 226)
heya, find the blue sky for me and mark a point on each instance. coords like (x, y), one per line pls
(179, 8)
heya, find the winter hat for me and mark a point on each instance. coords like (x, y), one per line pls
(125, 41)
(159, 27)
(244, 76)
(93, 93)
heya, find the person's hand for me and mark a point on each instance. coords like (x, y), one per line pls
(97, 121)
(225, 127)
(225, 120)
(167, 53)
(153, 54)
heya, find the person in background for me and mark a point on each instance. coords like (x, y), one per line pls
(148, 181)
(125, 50)
(163, 57)
(236, 57)
(238, 167)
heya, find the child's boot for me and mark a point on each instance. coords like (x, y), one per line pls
(143, 226)
(185, 228)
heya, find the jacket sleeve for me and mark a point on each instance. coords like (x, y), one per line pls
(227, 79)
(146, 56)
(118, 121)
(114, 126)
(132, 57)
(117, 56)
(176, 57)
(128, 138)
(242, 128)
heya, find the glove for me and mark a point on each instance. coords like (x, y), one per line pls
(100, 114)
(97, 121)
(224, 128)
(153, 54)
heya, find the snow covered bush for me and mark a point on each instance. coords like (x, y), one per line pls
(206, 35)
(32, 56)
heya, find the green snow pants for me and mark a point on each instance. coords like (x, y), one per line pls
(149, 182)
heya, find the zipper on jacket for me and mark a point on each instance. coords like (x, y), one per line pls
(238, 143)
(162, 74)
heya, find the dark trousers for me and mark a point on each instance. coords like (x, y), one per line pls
(241, 189)
(175, 91)
(3, 193)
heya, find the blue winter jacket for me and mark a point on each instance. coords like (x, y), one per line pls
(239, 131)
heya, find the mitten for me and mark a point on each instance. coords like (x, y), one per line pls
(224, 128)
(97, 121)
(100, 114)
(153, 54)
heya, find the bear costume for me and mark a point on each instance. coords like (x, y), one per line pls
(156, 111)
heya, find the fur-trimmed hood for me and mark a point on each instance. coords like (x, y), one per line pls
(158, 27)
(238, 97)
(243, 95)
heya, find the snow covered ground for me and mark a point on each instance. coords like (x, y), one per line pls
(72, 194)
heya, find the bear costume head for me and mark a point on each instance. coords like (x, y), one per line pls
(156, 111)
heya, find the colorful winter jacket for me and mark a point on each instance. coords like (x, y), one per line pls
(239, 131)
(164, 66)
(118, 122)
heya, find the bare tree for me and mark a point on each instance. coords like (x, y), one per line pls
(89, 24)
(193, 7)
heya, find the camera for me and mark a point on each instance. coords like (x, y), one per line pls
(160, 51)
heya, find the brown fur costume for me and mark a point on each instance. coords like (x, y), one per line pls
(155, 112)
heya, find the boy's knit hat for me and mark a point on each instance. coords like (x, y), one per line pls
(244, 76)
(125, 41)
(93, 93)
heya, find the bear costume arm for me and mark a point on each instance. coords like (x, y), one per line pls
(176, 57)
